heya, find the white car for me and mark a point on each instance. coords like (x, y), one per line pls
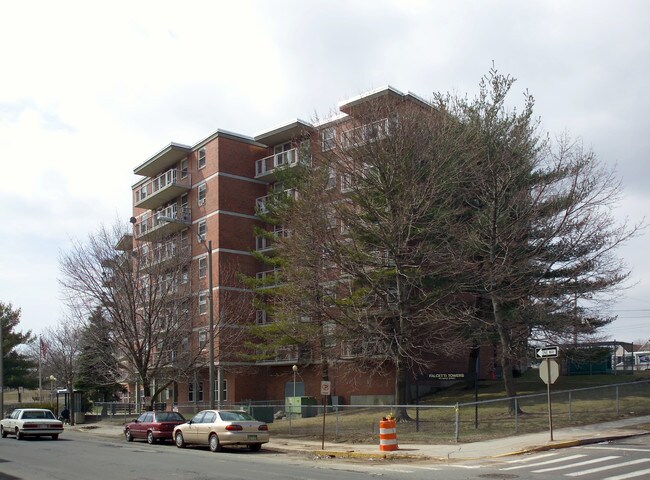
(32, 422)
(222, 427)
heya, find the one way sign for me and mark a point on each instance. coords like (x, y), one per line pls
(547, 352)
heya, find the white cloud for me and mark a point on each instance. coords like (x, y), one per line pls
(89, 92)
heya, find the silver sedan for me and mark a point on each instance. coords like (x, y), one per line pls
(222, 427)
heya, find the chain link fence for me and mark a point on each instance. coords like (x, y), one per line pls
(430, 423)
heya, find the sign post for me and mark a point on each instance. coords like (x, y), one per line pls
(548, 371)
(325, 391)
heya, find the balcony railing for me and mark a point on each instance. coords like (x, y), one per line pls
(161, 189)
(265, 244)
(261, 202)
(365, 133)
(268, 278)
(265, 168)
(162, 223)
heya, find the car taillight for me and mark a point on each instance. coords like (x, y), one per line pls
(234, 428)
(264, 428)
(30, 425)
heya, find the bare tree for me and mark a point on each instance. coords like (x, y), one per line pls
(144, 292)
(63, 353)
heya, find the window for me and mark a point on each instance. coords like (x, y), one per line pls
(203, 267)
(328, 139)
(203, 303)
(331, 178)
(202, 230)
(261, 317)
(200, 393)
(203, 339)
(224, 382)
(346, 182)
(280, 154)
(184, 168)
(201, 159)
(185, 276)
(201, 193)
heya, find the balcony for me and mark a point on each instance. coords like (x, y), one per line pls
(160, 190)
(363, 134)
(265, 245)
(266, 168)
(162, 223)
(261, 202)
(166, 158)
(268, 278)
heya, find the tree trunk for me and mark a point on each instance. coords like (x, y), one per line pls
(506, 360)
(401, 386)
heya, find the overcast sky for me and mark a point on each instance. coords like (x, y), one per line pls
(90, 90)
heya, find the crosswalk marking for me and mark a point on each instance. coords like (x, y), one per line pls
(535, 457)
(547, 462)
(608, 467)
(623, 449)
(629, 475)
(579, 464)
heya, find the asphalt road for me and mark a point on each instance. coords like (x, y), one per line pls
(78, 455)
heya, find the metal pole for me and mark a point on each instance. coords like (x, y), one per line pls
(211, 330)
(548, 392)
(457, 423)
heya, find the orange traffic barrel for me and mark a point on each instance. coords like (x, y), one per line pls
(387, 435)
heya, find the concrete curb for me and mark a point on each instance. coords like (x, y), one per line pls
(570, 443)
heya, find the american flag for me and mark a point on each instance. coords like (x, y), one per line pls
(43, 348)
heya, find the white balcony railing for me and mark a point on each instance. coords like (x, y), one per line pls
(172, 180)
(266, 166)
(365, 133)
(171, 215)
(261, 202)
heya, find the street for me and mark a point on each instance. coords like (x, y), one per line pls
(78, 455)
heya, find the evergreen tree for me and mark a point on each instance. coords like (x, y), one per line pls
(18, 369)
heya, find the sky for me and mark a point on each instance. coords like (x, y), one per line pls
(89, 90)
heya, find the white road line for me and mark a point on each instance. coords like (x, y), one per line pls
(623, 449)
(579, 464)
(629, 475)
(547, 462)
(466, 466)
(535, 457)
(608, 467)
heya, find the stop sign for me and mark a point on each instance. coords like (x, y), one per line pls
(549, 370)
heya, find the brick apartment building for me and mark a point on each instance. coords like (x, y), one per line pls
(214, 190)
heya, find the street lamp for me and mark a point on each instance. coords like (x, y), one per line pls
(208, 247)
(295, 370)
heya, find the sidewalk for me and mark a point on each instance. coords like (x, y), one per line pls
(565, 437)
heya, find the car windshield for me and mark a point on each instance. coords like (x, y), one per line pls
(37, 415)
(169, 417)
(235, 416)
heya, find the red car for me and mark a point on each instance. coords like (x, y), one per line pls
(153, 426)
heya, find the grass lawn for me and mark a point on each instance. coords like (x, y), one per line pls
(435, 420)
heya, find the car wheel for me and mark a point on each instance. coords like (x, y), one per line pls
(179, 440)
(3, 432)
(213, 441)
(55, 436)
(150, 438)
(128, 435)
(19, 434)
(255, 447)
